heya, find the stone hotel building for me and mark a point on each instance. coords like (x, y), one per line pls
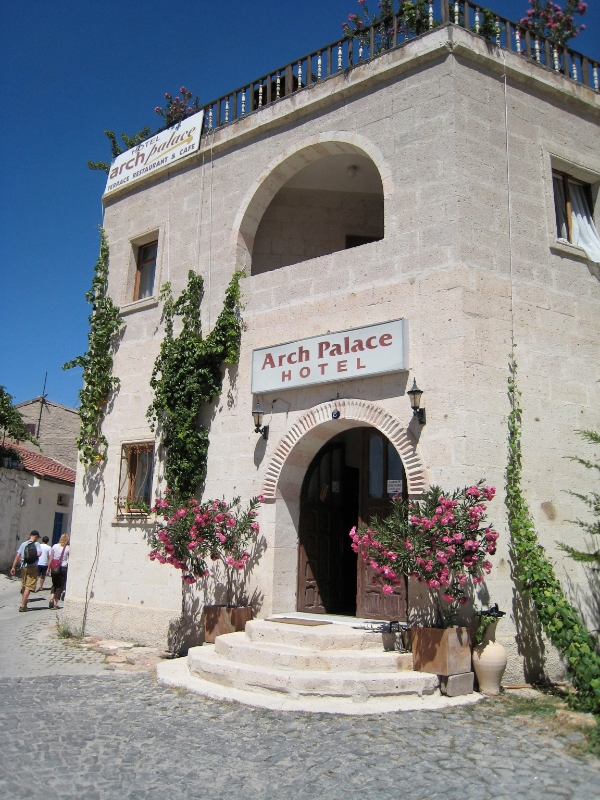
(400, 213)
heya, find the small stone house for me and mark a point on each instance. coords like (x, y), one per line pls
(444, 188)
(54, 426)
(36, 493)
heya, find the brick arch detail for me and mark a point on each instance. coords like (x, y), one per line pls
(291, 161)
(358, 411)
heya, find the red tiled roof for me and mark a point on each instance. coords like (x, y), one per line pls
(43, 466)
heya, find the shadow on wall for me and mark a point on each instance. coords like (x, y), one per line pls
(188, 630)
(530, 644)
(588, 606)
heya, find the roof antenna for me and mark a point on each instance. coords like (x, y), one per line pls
(42, 403)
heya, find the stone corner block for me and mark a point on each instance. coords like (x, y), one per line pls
(456, 685)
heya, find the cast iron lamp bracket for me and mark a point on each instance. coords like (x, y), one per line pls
(257, 414)
(415, 403)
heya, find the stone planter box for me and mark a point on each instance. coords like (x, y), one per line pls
(219, 620)
(441, 651)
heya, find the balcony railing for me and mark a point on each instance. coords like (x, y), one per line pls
(376, 40)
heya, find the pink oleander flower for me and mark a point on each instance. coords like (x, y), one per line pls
(463, 601)
(433, 584)
(448, 597)
(478, 579)
(261, 498)
(487, 565)
(221, 537)
(189, 579)
(489, 492)
(387, 589)
(255, 526)
(473, 491)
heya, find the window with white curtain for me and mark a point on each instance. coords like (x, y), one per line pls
(574, 220)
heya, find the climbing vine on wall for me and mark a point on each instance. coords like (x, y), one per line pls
(116, 149)
(187, 373)
(97, 363)
(536, 575)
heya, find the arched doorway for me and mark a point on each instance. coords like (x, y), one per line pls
(351, 479)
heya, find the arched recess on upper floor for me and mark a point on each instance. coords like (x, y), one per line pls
(324, 194)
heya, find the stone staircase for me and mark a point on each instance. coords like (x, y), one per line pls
(308, 665)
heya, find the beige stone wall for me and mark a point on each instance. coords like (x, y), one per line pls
(58, 430)
(301, 224)
(431, 116)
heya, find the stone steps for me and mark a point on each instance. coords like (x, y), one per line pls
(204, 662)
(238, 647)
(320, 637)
(336, 668)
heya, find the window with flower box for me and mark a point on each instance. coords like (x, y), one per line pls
(135, 478)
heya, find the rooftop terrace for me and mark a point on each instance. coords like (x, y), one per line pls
(347, 53)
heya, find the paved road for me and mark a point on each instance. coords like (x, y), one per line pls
(78, 730)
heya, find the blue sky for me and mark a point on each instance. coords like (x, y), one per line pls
(70, 70)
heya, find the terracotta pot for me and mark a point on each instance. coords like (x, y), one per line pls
(219, 620)
(442, 651)
(489, 663)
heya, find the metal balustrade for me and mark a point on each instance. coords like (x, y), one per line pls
(376, 40)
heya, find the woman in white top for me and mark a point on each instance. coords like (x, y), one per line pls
(43, 562)
(60, 553)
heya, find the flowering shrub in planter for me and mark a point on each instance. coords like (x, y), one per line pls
(192, 534)
(413, 20)
(178, 108)
(546, 18)
(442, 540)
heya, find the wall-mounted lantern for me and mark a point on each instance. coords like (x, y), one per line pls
(257, 414)
(415, 402)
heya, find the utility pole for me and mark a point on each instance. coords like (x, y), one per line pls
(42, 401)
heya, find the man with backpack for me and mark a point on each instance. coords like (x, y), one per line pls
(28, 554)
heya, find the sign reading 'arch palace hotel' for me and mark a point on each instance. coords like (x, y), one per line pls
(359, 201)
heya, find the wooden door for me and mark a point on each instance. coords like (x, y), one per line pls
(382, 476)
(328, 509)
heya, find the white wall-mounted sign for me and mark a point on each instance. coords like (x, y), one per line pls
(180, 141)
(341, 356)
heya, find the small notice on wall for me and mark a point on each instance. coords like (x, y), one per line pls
(157, 152)
(395, 487)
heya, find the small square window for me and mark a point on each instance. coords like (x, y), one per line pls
(146, 270)
(574, 220)
(62, 500)
(30, 428)
(135, 479)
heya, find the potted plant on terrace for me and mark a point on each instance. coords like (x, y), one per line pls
(443, 541)
(193, 534)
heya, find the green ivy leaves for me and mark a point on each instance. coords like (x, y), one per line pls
(97, 363)
(558, 618)
(187, 374)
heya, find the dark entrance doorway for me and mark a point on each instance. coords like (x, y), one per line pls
(352, 478)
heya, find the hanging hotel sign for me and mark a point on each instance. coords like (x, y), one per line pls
(341, 356)
(167, 147)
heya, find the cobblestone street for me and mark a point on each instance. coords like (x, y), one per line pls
(73, 727)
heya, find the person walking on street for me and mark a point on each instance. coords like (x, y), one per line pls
(43, 562)
(28, 555)
(57, 569)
